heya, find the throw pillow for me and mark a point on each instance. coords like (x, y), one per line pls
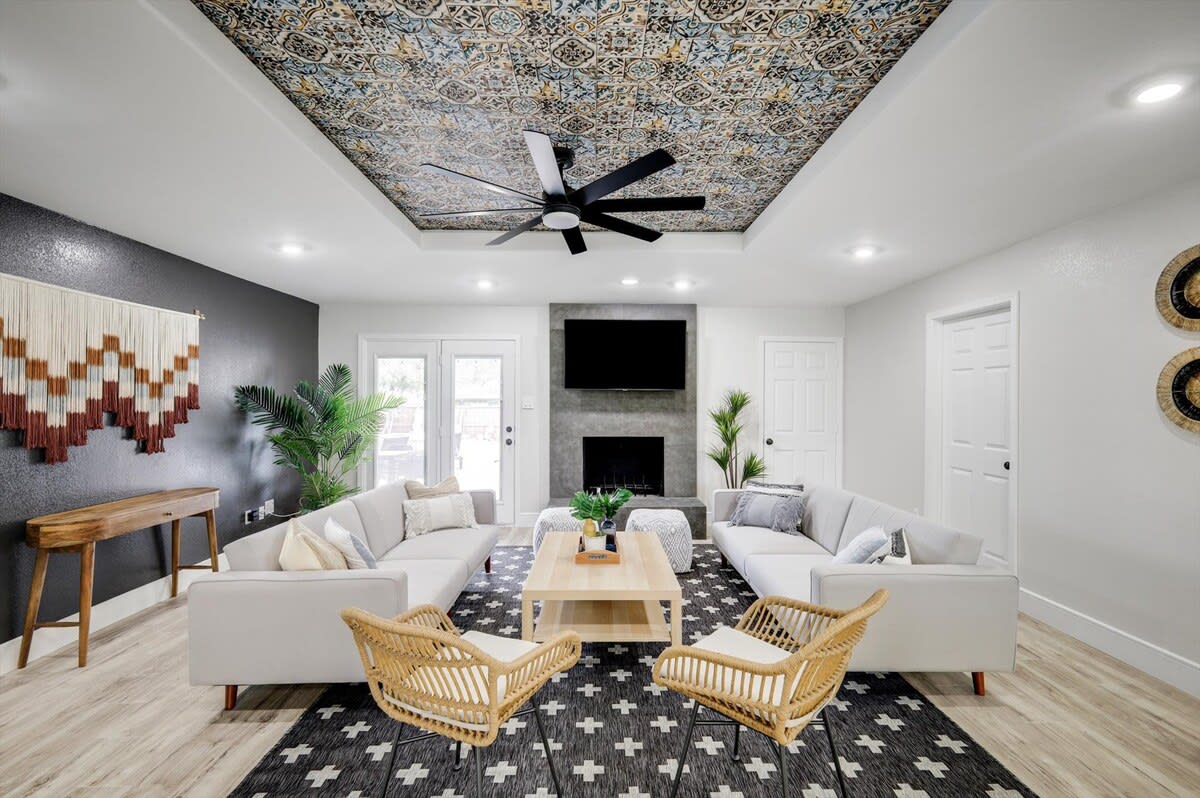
(787, 488)
(353, 548)
(781, 513)
(331, 559)
(296, 555)
(419, 490)
(867, 546)
(897, 552)
(444, 512)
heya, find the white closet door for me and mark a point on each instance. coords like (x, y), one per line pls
(802, 414)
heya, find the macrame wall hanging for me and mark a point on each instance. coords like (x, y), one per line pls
(69, 357)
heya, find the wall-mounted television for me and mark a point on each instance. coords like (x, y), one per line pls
(625, 355)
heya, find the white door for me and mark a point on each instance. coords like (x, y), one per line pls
(802, 411)
(976, 429)
(458, 416)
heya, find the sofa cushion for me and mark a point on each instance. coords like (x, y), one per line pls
(382, 513)
(260, 551)
(472, 546)
(739, 542)
(929, 543)
(786, 575)
(436, 582)
(825, 511)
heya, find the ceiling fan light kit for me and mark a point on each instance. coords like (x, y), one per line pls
(562, 208)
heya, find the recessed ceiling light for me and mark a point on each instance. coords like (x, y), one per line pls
(1158, 92)
(681, 285)
(484, 285)
(864, 251)
(629, 281)
(292, 249)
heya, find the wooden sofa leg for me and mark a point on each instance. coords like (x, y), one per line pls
(487, 565)
(230, 696)
(724, 561)
(977, 678)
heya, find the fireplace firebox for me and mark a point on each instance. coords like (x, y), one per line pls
(635, 463)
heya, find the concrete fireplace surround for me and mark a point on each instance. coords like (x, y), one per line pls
(575, 414)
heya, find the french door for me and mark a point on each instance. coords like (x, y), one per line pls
(458, 417)
(802, 410)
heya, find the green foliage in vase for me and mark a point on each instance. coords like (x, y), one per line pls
(598, 506)
(728, 424)
(323, 432)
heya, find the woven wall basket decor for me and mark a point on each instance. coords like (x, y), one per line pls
(1178, 291)
(1179, 389)
(69, 357)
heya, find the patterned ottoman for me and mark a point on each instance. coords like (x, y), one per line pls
(673, 530)
(553, 518)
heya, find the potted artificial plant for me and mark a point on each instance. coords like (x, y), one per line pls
(593, 508)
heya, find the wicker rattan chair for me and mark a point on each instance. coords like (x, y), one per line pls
(773, 673)
(422, 672)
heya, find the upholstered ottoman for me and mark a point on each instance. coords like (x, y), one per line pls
(673, 530)
(554, 518)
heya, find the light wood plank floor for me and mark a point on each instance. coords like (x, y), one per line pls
(1070, 722)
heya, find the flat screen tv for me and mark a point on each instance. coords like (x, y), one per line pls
(625, 355)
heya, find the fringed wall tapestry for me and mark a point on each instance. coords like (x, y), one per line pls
(69, 357)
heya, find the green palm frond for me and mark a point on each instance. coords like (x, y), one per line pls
(338, 381)
(728, 426)
(753, 468)
(269, 409)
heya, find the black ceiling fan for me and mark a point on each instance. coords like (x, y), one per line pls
(562, 208)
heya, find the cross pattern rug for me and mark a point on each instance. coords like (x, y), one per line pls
(616, 734)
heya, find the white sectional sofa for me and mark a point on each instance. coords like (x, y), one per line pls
(946, 612)
(257, 624)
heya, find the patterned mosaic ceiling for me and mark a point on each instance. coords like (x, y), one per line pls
(741, 92)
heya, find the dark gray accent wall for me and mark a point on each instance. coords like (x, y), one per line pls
(252, 335)
(576, 413)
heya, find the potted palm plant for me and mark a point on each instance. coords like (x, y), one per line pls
(598, 508)
(323, 432)
(728, 424)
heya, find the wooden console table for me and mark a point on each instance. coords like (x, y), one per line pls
(78, 531)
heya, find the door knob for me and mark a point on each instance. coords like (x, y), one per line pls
(1007, 465)
(770, 441)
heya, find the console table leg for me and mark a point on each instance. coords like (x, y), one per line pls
(87, 564)
(210, 519)
(175, 557)
(41, 560)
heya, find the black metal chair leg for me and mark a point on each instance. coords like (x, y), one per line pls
(783, 768)
(537, 716)
(737, 739)
(458, 763)
(837, 762)
(687, 744)
(478, 772)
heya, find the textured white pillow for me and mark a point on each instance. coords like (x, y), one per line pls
(358, 555)
(327, 554)
(867, 546)
(444, 512)
(296, 555)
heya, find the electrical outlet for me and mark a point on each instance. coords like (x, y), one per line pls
(262, 512)
(270, 506)
(247, 517)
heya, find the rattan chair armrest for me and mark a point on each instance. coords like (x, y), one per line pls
(716, 659)
(556, 654)
(429, 616)
(785, 622)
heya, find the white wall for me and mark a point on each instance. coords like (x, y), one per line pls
(342, 323)
(1109, 490)
(730, 357)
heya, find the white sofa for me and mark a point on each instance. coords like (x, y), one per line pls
(946, 612)
(257, 624)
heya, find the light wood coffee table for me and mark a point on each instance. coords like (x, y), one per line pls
(602, 602)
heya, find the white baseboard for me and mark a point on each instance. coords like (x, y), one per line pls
(106, 613)
(1157, 661)
(526, 519)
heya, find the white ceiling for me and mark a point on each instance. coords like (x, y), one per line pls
(1007, 118)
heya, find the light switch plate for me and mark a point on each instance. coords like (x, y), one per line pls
(527, 403)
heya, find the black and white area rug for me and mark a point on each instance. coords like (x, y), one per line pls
(616, 734)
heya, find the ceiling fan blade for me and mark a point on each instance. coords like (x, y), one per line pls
(629, 173)
(516, 231)
(541, 149)
(490, 212)
(496, 187)
(574, 239)
(620, 226)
(635, 204)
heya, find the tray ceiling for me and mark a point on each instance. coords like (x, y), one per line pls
(741, 93)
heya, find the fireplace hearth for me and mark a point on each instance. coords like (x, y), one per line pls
(635, 463)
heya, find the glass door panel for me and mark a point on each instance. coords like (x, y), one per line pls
(478, 401)
(400, 447)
